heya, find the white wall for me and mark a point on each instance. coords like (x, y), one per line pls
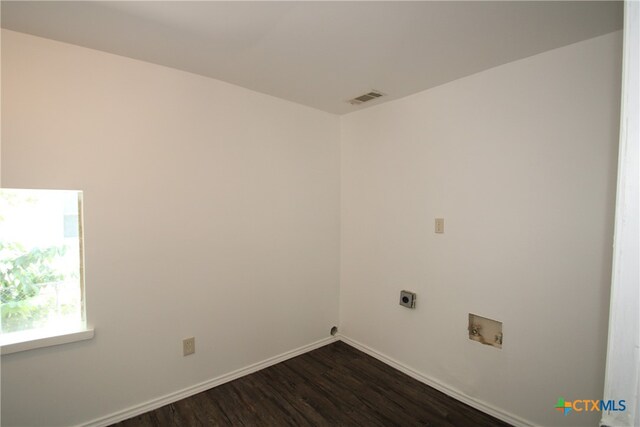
(210, 210)
(520, 160)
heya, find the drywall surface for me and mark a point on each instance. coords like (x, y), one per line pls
(210, 211)
(520, 161)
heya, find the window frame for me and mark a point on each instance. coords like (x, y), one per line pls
(30, 339)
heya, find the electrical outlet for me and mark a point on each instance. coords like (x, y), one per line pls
(188, 346)
(408, 299)
(439, 225)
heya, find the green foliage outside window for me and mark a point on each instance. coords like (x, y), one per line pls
(39, 269)
(23, 274)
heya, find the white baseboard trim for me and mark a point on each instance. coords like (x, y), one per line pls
(206, 385)
(456, 394)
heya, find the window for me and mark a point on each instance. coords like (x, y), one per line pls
(41, 264)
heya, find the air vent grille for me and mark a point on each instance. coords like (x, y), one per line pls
(374, 94)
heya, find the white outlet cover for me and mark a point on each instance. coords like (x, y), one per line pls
(188, 346)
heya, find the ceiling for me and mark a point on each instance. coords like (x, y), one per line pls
(320, 54)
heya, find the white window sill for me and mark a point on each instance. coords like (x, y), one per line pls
(23, 341)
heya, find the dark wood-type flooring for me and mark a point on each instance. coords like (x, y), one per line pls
(335, 385)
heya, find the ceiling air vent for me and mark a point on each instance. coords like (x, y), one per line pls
(365, 98)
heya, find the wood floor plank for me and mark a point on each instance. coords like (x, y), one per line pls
(335, 385)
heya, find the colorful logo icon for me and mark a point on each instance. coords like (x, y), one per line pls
(563, 406)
